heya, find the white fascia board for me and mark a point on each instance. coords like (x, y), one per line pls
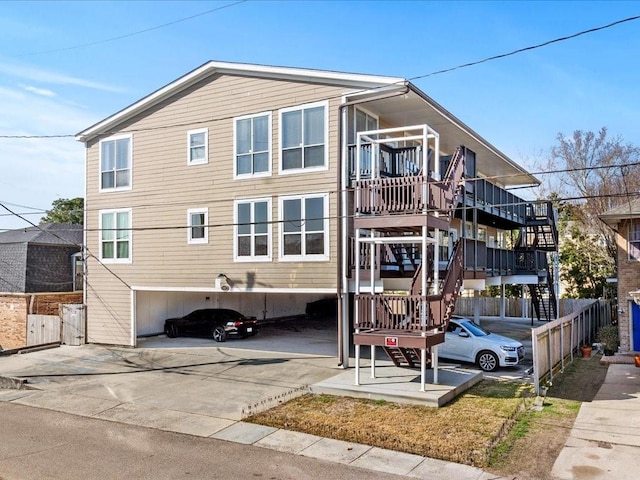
(210, 68)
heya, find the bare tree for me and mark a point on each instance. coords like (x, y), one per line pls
(601, 173)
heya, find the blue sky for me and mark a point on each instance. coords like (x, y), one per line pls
(519, 103)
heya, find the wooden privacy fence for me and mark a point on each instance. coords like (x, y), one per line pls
(67, 327)
(555, 343)
(42, 329)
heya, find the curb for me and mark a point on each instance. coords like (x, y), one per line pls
(13, 383)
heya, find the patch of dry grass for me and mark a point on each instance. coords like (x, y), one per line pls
(463, 431)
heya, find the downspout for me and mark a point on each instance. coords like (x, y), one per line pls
(342, 181)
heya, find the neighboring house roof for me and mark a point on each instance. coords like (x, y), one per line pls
(46, 234)
(43, 248)
(629, 209)
(362, 86)
(13, 260)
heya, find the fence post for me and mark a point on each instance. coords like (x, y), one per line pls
(550, 355)
(534, 355)
(561, 348)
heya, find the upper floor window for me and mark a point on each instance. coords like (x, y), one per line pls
(198, 142)
(253, 145)
(115, 236)
(303, 137)
(253, 230)
(634, 240)
(115, 163)
(363, 122)
(198, 221)
(304, 230)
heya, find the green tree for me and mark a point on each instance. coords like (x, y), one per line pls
(64, 210)
(584, 258)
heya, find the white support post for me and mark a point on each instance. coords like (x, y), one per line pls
(357, 380)
(502, 301)
(423, 369)
(373, 361)
(434, 363)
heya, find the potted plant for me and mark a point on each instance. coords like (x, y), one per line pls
(608, 336)
(585, 350)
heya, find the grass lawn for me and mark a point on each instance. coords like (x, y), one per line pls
(490, 426)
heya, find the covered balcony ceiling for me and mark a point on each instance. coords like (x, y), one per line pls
(416, 108)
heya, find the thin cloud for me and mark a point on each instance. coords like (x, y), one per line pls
(44, 76)
(38, 91)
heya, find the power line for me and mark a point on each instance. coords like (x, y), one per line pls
(88, 253)
(132, 34)
(532, 47)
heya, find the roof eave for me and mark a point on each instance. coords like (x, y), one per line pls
(213, 67)
(469, 131)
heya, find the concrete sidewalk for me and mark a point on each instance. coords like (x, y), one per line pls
(202, 392)
(604, 442)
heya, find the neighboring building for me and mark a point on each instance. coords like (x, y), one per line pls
(41, 259)
(40, 269)
(625, 222)
(260, 188)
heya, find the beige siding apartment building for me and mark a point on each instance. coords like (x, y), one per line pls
(234, 186)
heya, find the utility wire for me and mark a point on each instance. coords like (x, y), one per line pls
(39, 211)
(132, 34)
(533, 47)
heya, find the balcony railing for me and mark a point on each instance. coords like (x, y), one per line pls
(496, 200)
(392, 162)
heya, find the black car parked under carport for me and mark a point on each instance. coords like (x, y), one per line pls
(217, 323)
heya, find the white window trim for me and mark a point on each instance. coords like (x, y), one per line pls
(253, 258)
(270, 147)
(629, 241)
(115, 189)
(304, 258)
(205, 160)
(366, 112)
(128, 260)
(294, 171)
(197, 241)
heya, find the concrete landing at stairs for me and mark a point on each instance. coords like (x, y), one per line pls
(400, 385)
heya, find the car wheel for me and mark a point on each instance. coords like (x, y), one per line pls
(171, 330)
(219, 334)
(487, 361)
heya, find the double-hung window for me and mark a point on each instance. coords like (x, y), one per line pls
(197, 146)
(304, 228)
(303, 138)
(253, 230)
(198, 221)
(115, 163)
(634, 240)
(115, 236)
(252, 137)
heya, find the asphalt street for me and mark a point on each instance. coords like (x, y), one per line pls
(46, 444)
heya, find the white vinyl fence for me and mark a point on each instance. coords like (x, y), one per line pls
(514, 307)
(555, 343)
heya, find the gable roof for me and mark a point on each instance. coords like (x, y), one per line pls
(361, 86)
(353, 80)
(627, 210)
(47, 234)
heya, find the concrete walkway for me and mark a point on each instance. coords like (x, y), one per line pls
(200, 391)
(604, 442)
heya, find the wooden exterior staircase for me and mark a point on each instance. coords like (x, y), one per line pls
(400, 208)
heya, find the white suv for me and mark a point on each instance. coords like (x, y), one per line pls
(467, 341)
